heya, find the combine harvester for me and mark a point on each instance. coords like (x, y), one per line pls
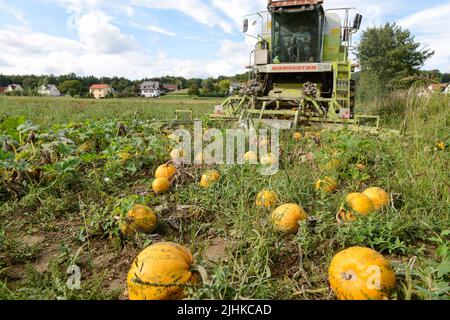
(300, 71)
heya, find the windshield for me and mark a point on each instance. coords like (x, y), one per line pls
(296, 37)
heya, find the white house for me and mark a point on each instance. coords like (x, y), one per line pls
(49, 90)
(447, 90)
(235, 87)
(150, 89)
(14, 87)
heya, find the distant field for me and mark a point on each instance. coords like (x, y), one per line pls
(41, 110)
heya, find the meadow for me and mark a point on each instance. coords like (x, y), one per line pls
(64, 189)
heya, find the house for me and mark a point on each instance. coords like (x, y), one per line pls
(170, 88)
(151, 89)
(99, 91)
(447, 90)
(49, 90)
(13, 88)
(435, 87)
(235, 86)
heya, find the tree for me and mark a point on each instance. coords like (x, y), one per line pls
(193, 90)
(388, 54)
(71, 87)
(208, 85)
(224, 86)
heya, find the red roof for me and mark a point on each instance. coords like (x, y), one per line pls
(99, 86)
(170, 86)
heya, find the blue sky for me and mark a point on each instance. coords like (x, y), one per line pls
(145, 38)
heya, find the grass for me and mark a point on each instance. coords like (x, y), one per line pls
(44, 111)
(74, 203)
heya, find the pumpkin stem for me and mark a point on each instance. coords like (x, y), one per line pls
(202, 272)
(347, 275)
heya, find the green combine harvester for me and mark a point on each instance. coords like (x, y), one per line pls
(300, 71)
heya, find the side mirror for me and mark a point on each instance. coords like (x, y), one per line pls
(357, 22)
(245, 28)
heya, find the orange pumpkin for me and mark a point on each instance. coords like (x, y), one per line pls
(379, 197)
(359, 273)
(251, 156)
(297, 136)
(326, 184)
(266, 199)
(161, 272)
(209, 178)
(142, 218)
(160, 185)
(360, 203)
(268, 160)
(177, 154)
(166, 171)
(286, 217)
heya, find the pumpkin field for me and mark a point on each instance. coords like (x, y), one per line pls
(92, 184)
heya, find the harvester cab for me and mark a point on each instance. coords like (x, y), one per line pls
(299, 70)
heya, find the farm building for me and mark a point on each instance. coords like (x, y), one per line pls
(170, 87)
(99, 91)
(151, 89)
(49, 90)
(14, 87)
(447, 90)
(235, 86)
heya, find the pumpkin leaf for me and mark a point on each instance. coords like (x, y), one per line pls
(443, 268)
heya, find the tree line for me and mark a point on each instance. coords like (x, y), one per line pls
(78, 86)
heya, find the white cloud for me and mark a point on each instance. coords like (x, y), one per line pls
(100, 36)
(16, 13)
(152, 28)
(195, 9)
(104, 49)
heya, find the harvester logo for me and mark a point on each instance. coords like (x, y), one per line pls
(295, 68)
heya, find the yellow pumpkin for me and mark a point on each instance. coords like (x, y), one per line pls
(160, 185)
(345, 216)
(199, 158)
(263, 142)
(176, 154)
(124, 157)
(359, 273)
(88, 146)
(297, 136)
(285, 218)
(360, 203)
(161, 272)
(142, 218)
(333, 165)
(209, 178)
(251, 156)
(268, 160)
(173, 137)
(379, 197)
(266, 199)
(166, 171)
(327, 184)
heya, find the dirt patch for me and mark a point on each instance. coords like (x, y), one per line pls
(217, 250)
(46, 256)
(32, 241)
